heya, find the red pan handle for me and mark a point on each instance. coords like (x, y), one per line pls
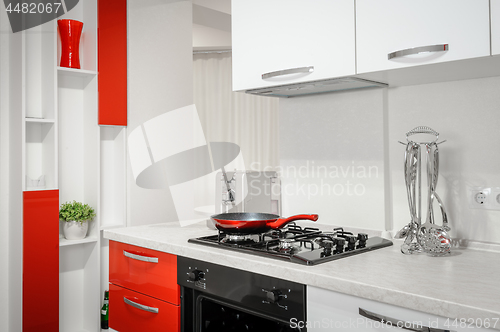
(282, 221)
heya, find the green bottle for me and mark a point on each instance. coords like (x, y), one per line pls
(105, 312)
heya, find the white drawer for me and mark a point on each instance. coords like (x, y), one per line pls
(328, 310)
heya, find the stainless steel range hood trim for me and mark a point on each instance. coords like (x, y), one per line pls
(318, 87)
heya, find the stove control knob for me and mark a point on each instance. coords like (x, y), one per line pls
(362, 237)
(273, 296)
(339, 248)
(351, 242)
(196, 275)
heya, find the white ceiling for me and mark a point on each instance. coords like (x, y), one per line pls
(219, 5)
(211, 24)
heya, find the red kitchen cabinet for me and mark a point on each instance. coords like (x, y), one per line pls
(146, 271)
(132, 311)
(41, 260)
(112, 62)
(144, 291)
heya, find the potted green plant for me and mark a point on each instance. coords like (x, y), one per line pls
(76, 217)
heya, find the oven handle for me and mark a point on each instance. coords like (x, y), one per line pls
(399, 323)
(140, 306)
(140, 257)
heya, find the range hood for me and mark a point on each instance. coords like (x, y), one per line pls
(315, 87)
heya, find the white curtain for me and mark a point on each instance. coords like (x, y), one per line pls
(247, 120)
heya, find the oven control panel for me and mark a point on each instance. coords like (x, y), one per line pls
(283, 298)
(197, 277)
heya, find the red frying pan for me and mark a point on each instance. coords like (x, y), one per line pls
(251, 223)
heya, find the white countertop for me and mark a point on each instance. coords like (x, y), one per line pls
(465, 284)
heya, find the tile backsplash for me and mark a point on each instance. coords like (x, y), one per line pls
(340, 156)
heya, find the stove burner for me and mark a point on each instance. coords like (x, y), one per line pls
(300, 245)
(286, 244)
(237, 239)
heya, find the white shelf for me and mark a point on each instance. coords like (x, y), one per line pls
(112, 207)
(40, 153)
(76, 72)
(40, 120)
(64, 242)
(39, 189)
(112, 225)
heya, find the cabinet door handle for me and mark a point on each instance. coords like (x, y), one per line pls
(141, 306)
(416, 50)
(298, 70)
(398, 323)
(140, 257)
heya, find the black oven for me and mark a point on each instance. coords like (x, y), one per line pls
(219, 298)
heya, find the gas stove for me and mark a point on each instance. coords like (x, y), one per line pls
(307, 245)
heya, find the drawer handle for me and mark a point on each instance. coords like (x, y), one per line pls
(141, 306)
(140, 258)
(298, 70)
(398, 323)
(416, 50)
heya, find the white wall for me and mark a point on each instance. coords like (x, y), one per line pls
(211, 25)
(363, 127)
(160, 80)
(4, 169)
(15, 221)
(10, 179)
(332, 157)
(466, 114)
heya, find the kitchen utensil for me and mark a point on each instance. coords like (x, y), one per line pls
(252, 191)
(422, 130)
(230, 192)
(403, 232)
(434, 239)
(251, 223)
(428, 237)
(412, 174)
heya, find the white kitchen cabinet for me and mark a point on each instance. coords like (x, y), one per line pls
(387, 26)
(272, 36)
(328, 310)
(495, 26)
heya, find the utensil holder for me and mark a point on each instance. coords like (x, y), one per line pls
(427, 237)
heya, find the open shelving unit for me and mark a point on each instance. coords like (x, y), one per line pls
(39, 108)
(78, 163)
(113, 177)
(64, 148)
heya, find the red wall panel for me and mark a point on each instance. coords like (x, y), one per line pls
(112, 62)
(41, 261)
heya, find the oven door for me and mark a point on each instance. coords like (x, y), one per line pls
(201, 312)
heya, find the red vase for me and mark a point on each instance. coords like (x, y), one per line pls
(70, 32)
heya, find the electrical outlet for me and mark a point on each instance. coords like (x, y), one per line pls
(484, 198)
(495, 198)
(479, 197)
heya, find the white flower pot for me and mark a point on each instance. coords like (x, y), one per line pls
(74, 230)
